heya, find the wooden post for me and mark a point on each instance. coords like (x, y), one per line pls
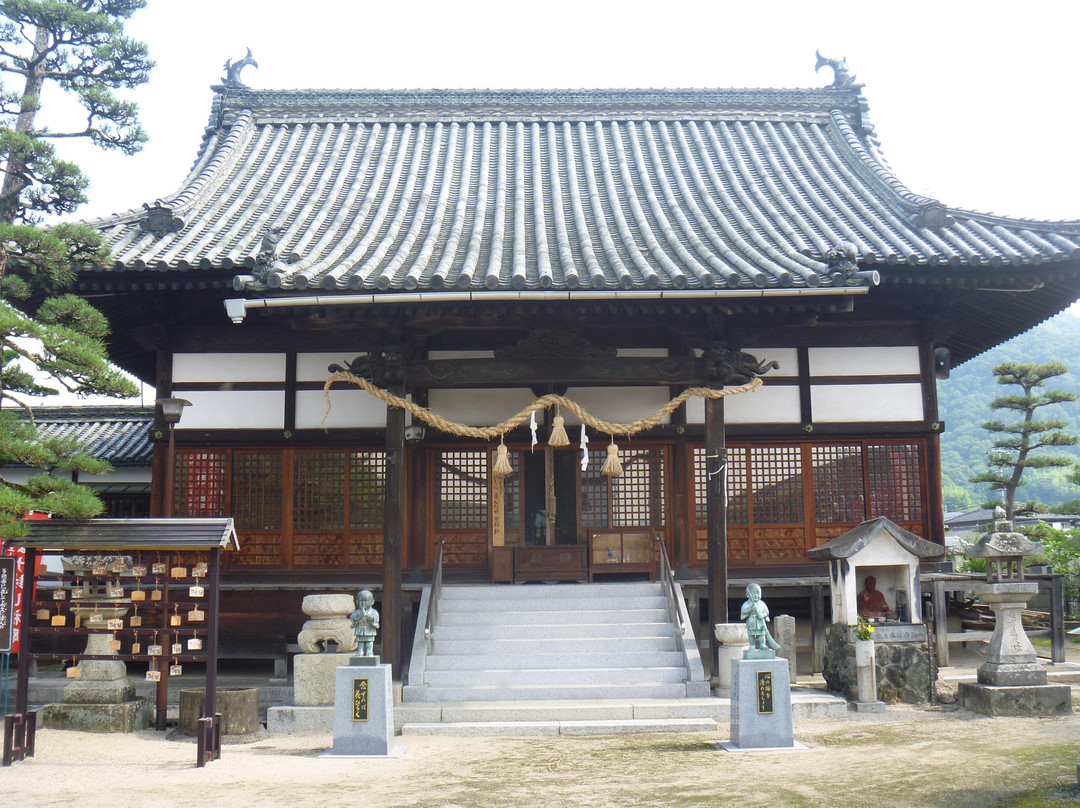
(941, 623)
(716, 469)
(817, 628)
(1057, 618)
(393, 532)
(22, 680)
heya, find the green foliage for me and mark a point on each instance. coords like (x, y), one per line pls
(1012, 452)
(50, 340)
(1062, 551)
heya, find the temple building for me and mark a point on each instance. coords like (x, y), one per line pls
(470, 251)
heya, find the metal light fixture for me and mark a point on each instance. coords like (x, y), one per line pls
(172, 409)
(414, 434)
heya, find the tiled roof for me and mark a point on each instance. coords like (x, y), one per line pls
(554, 190)
(120, 435)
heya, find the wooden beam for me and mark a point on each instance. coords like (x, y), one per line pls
(457, 373)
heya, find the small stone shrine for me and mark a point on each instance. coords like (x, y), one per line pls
(874, 573)
(760, 687)
(1010, 682)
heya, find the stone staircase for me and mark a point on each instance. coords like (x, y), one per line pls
(563, 642)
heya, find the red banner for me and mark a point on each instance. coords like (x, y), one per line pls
(11, 609)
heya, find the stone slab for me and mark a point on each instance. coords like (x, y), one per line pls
(486, 729)
(314, 676)
(751, 729)
(130, 716)
(1038, 700)
(114, 691)
(636, 726)
(728, 746)
(374, 735)
(868, 706)
(287, 718)
(1009, 675)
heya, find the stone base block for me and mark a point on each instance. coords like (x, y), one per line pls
(373, 733)
(761, 704)
(313, 678)
(290, 718)
(1041, 700)
(867, 706)
(129, 716)
(116, 692)
(239, 709)
(1006, 675)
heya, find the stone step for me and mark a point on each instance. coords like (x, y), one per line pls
(553, 677)
(572, 605)
(557, 728)
(555, 645)
(561, 659)
(555, 632)
(550, 618)
(545, 692)
(546, 592)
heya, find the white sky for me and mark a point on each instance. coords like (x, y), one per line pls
(975, 102)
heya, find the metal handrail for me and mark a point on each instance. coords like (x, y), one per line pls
(436, 591)
(667, 581)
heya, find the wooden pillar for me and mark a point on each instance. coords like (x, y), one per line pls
(817, 628)
(393, 533)
(941, 623)
(716, 469)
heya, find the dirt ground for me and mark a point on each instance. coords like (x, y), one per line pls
(908, 757)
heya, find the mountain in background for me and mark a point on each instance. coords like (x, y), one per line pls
(964, 403)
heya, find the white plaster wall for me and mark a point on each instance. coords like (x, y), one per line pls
(311, 367)
(787, 357)
(228, 367)
(842, 403)
(351, 408)
(617, 405)
(868, 361)
(118, 476)
(234, 409)
(477, 407)
(766, 405)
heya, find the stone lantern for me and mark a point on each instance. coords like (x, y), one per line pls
(1010, 682)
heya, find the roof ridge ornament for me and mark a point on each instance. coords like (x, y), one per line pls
(843, 78)
(160, 219)
(231, 79)
(267, 253)
(844, 267)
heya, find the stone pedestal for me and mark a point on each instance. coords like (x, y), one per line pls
(760, 706)
(905, 668)
(1011, 682)
(314, 678)
(239, 709)
(101, 699)
(363, 712)
(732, 641)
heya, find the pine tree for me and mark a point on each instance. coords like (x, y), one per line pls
(1012, 453)
(80, 47)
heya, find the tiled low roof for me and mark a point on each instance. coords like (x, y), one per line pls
(391, 191)
(120, 435)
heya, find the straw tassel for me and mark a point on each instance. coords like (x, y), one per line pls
(558, 435)
(612, 465)
(502, 463)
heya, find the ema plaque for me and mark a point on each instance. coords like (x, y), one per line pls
(764, 693)
(360, 689)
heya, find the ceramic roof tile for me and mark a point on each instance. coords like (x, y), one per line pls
(385, 191)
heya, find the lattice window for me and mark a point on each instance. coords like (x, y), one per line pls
(701, 494)
(595, 492)
(319, 490)
(838, 483)
(776, 477)
(738, 489)
(367, 490)
(461, 495)
(893, 472)
(634, 499)
(257, 490)
(199, 489)
(637, 495)
(512, 504)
